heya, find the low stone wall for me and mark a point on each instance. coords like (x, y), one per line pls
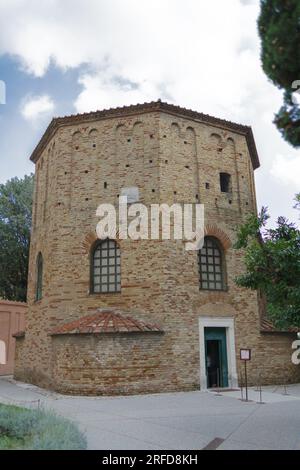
(12, 320)
(127, 363)
(109, 364)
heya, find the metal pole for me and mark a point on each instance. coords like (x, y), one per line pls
(258, 382)
(260, 394)
(285, 389)
(246, 382)
(241, 385)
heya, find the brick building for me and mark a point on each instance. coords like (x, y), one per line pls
(135, 316)
(12, 320)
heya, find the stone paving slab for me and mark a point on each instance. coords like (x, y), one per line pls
(189, 420)
(268, 394)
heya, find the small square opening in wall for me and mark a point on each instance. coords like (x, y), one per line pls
(128, 140)
(105, 184)
(207, 185)
(94, 145)
(225, 183)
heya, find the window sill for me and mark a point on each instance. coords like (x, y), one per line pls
(105, 293)
(214, 290)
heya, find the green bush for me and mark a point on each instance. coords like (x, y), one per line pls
(37, 429)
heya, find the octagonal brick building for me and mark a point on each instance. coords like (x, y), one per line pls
(138, 316)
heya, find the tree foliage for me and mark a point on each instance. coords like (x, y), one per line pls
(272, 258)
(279, 30)
(15, 224)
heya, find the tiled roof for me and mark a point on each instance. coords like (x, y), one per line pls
(105, 321)
(268, 327)
(141, 109)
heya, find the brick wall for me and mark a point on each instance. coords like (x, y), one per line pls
(12, 320)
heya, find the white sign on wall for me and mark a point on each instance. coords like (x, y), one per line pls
(245, 354)
(131, 193)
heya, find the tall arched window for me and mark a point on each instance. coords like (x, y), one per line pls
(105, 267)
(211, 265)
(39, 277)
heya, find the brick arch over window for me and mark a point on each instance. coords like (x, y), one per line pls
(88, 241)
(91, 238)
(215, 231)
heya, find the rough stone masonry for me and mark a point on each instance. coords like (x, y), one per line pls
(148, 336)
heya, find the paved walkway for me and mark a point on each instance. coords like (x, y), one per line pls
(190, 420)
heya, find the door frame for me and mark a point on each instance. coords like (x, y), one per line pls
(218, 334)
(228, 324)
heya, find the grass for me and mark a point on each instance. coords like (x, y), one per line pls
(21, 428)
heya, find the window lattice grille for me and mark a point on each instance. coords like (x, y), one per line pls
(211, 265)
(106, 269)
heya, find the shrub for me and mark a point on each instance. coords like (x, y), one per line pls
(38, 429)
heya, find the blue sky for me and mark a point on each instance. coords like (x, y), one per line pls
(19, 135)
(63, 57)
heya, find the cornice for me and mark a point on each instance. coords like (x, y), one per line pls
(154, 106)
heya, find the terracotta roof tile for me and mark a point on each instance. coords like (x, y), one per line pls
(268, 327)
(145, 108)
(105, 321)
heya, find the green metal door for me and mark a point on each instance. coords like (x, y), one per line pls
(216, 357)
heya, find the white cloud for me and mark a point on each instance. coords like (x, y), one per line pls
(198, 54)
(287, 170)
(35, 107)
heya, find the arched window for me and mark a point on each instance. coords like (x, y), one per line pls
(211, 265)
(105, 267)
(39, 277)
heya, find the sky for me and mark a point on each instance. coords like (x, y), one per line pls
(63, 57)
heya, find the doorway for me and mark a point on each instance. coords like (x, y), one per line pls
(216, 357)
